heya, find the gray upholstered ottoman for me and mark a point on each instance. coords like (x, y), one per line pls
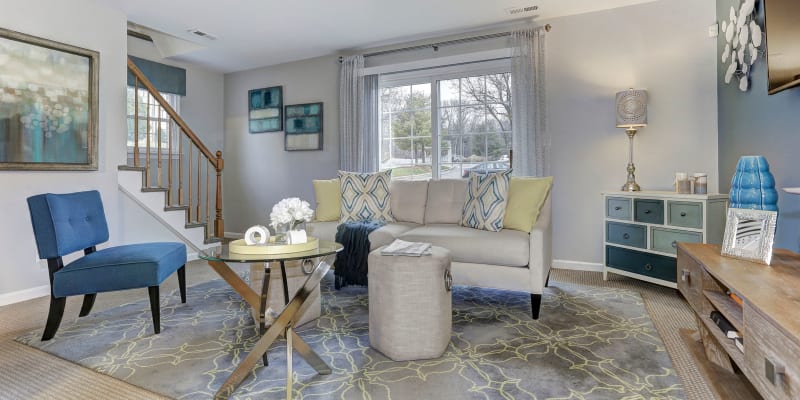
(410, 304)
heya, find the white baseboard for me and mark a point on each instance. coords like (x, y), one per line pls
(25, 294)
(578, 265)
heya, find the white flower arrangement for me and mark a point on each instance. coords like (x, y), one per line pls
(291, 212)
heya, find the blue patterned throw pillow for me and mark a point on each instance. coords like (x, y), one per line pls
(365, 197)
(485, 205)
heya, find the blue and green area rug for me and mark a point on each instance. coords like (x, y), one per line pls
(589, 343)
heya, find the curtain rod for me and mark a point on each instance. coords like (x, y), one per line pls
(435, 46)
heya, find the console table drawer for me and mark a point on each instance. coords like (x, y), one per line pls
(652, 265)
(626, 234)
(618, 208)
(649, 211)
(666, 240)
(690, 280)
(770, 357)
(686, 214)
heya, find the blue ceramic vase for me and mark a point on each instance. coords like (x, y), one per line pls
(753, 186)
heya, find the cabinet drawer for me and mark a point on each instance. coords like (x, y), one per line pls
(690, 280)
(626, 234)
(618, 208)
(687, 214)
(652, 265)
(649, 211)
(666, 240)
(767, 350)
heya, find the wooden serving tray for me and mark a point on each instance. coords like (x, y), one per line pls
(239, 246)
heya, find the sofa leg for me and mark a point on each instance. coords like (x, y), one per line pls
(88, 303)
(182, 282)
(536, 302)
(54, 317)
(155, 308)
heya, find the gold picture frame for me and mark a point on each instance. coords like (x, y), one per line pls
(749, 234)
(48, 104)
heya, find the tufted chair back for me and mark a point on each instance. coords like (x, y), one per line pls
(66, 223)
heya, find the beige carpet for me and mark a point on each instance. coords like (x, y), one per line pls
(26, 373)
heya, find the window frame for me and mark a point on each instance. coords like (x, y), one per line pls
(433, 76)
(176, 135)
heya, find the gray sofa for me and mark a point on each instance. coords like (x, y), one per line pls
(429, 211)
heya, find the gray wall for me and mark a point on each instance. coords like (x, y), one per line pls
(662, 47)
(754, 123)
(95, 27)
(258, 172)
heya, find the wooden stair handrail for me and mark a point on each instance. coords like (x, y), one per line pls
(175, 117)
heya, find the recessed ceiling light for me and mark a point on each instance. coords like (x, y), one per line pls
(202, 34)
(521, 10)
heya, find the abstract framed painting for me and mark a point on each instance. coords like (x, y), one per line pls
(265, 107)
(48, 104)
(303, 127)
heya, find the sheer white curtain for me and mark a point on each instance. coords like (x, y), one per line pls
(531, 143)
(358, 117)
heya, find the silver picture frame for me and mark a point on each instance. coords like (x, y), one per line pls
(749, 234)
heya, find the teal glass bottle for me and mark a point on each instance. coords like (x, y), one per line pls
(753, 186)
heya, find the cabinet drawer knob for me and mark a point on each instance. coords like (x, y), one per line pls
(647, 211)
(685, 275)
(774, 372)
(626, 236)
(648, 267)
(617, 208)
(683, 213)
(674, 244)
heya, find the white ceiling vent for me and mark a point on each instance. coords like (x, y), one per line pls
(201, 34)
(513, 11)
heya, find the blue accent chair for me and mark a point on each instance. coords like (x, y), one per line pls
(66, 223)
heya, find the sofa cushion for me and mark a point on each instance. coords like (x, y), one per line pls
(388, 233)
(323, 230)
(328, 193)
(408, 200)
(526, 195)
(445, 201)
(365, 197)
(485, 204)
(507, 247)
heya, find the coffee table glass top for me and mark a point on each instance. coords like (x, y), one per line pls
(221, 253)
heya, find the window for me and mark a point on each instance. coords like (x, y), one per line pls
(149, 107)
(444, 125)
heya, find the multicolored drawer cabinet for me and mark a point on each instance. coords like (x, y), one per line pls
(642, 231)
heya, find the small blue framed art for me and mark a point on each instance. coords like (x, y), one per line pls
(265, 107)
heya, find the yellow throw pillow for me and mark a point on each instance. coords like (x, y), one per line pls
(328, 193)
(526, 196)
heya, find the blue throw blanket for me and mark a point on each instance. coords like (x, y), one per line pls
(350, 267)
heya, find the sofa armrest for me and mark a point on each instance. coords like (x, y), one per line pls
(541, 247)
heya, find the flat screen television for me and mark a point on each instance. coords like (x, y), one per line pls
(782, 26)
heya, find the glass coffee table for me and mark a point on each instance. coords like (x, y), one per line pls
(313, 263)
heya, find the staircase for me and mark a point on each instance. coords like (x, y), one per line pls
(172, 173)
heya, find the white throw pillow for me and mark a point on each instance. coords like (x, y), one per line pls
(485, 205)
(365, 197)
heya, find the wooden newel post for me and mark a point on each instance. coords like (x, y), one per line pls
(219, 224)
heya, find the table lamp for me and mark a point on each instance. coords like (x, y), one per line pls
(631, 114)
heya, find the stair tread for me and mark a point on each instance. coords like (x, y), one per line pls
(195, 225)
(154, 189)
(176, 208)
(130, 168)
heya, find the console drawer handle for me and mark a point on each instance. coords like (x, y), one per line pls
(617, 208)
(626, 236)
(674, 244)
(685, 275)
(648, 267)
(647, 211)
(683, 213)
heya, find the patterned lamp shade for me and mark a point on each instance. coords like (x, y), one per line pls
(631, 108)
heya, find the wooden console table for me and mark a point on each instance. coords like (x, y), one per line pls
(768, 320)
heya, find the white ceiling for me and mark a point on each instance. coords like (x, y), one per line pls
(255, 33)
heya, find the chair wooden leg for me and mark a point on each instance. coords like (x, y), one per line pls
(155, 308)
(547, 281)
(54, 317)
(536, 303)
(88, 303)
(182, 282)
